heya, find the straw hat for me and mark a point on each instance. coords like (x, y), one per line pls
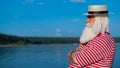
(97, 10)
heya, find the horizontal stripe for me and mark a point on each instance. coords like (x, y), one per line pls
(97, 53)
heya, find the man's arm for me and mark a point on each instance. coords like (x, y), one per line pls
(71, 57)
(71, 54)
(91, 53)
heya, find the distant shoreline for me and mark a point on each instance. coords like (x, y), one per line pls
(17, 40)
(10, 45)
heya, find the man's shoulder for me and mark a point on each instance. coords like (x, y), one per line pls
(101, 37)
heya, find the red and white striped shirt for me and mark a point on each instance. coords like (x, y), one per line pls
(98, 53)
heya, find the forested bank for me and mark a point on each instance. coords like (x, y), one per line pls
(11, 39)
(17, 40)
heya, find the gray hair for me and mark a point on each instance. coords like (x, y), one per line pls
(101, 24)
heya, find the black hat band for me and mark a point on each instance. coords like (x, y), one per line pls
(97, 12)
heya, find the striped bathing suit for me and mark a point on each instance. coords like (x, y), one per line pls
(97, 53)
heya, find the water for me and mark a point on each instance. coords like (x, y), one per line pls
(41, 56)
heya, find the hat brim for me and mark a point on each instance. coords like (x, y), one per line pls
(87, 14)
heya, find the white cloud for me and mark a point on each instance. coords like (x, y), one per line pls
(65, 1)
(30, 1)
(33, 2)
(27, 2)
(40, 3)
(77, 1)
(58, 32)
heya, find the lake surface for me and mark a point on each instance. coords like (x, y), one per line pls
(41, 56)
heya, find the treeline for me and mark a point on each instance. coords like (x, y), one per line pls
(117, 39)
(52, 40)
(12, 39)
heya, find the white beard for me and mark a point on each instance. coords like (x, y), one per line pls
(87, 34)
(101, 25)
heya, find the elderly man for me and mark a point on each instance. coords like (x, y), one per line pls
(97, 47)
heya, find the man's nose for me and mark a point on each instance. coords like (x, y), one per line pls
(87, 20)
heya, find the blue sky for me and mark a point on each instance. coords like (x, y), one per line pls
(51, 17)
